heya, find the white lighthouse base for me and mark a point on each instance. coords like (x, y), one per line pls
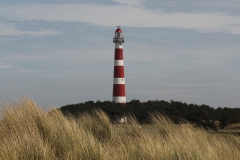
(119, 99)
(123, 120)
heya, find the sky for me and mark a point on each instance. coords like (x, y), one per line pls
(61, 52)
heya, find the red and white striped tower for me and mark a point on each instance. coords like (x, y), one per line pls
(119, 94)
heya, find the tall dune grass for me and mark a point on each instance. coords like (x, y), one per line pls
(28, 132)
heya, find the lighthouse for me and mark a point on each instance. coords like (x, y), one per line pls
(119, 94)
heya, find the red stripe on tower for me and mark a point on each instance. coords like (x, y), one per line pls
(119, 94)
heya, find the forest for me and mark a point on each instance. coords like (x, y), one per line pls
(179, 112)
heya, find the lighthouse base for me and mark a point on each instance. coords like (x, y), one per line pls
(119, 99)
(122, 120)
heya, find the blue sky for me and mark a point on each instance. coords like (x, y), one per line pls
(61, 52)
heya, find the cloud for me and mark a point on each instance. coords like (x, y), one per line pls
(120, 15)
(29, 71)
(129, 2)
(4, 66)
(9, 29)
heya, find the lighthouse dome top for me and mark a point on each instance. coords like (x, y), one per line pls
(118, 30)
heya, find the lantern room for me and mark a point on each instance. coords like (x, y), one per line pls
(118, 32)
(118, 38)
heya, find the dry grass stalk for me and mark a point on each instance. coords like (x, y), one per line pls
(27, 132)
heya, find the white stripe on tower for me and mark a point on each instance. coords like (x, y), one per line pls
(118, 45)
(118, 63)
(118, 80)
(119, 95)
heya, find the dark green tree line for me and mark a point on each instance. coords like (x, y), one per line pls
(201, 115)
